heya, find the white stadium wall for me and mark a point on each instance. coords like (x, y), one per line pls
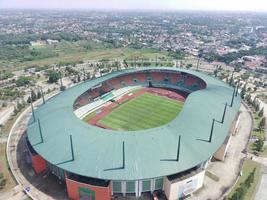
(175, 190)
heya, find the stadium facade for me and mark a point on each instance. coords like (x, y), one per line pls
(98, 163)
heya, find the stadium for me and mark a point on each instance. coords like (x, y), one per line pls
(133, 132)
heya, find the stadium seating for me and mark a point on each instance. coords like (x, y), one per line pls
(81, 101)
(174, 78)
(181, 81)
(127, 80)
(141, 77)
(190, 80)
(94, 93)
(105, 88)
(115, 82)
(201, 84)
(157, 76)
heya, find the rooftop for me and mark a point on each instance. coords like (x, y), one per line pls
(118, 155)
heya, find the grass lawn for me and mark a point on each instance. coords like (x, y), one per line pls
(264, 152)
(10, 183)
(74, 51)
(143, 112)
(248, 167)
(259, 134)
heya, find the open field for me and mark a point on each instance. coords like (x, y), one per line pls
(143, 112)
(79, 51)
(248, 167)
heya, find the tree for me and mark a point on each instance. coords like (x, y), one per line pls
(23, 80)
(248, 98)
(257, 107)
(2, 181)
(261, 112)
(39, 94)
(19, 106)
(250, 178)
(15, 111)
(254, 102)
(29, 99)
(243, 91)
(259, 145)
(188, 66)
(33, 96)
(53, 77)
(62, 88)
(261, 125)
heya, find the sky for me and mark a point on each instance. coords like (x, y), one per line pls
(232, 5)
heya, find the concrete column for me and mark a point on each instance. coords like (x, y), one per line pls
(140, 187)
(152, 185)
(123, 188)
(111, 187)
(136, 188)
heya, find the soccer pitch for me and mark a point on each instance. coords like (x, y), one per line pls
(143, 112)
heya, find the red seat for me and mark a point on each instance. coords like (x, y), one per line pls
(94, 93)
(202, 85)
(158, 76)
(115, 82)
(127, 79)
(105, 88)
(141, 77)
(174, 78)
(190, 80)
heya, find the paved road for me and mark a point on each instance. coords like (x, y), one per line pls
(5, 114)
(262, 160)
(262, 189)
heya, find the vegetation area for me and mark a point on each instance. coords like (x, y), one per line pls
(73, 52)
(256, 143)
(246, 185)
(53, 76)
(5, 75)
(23, 81)
(156, 111)
(256, 146)
(10, 93)
(6, 179)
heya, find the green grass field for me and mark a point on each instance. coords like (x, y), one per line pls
(143, 112)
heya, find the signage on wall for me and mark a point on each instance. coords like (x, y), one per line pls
(86, 194)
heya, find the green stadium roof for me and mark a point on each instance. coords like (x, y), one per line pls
(97, 150)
